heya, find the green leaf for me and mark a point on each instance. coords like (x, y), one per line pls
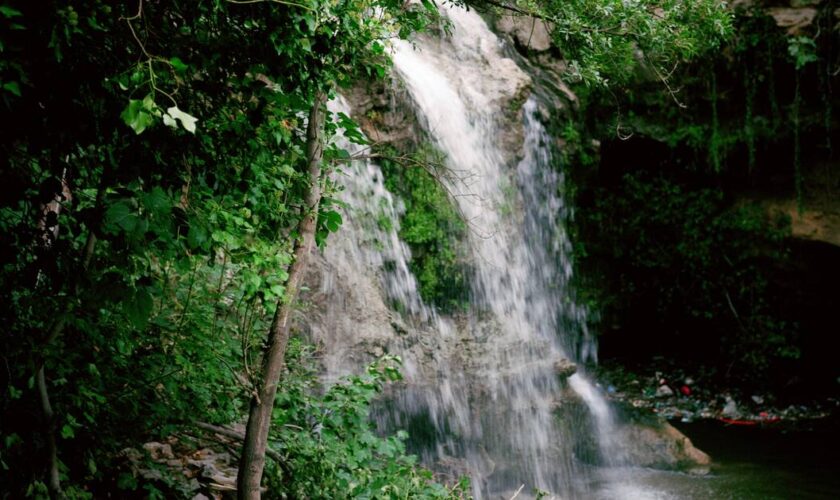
(9, 12)
(12, 440)
(351, 129)
(196, 236)
(187, 121)
(138, 308)
(137, 116)
(332, 220)
(430, 6)
(310, 22)
(120, 215)
(178, 65)
(12, 87)
(67, 432)
(126, 481)
(157, 201)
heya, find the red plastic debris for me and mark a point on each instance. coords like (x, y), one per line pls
(686, 390)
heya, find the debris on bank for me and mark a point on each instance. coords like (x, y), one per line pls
(674, 395)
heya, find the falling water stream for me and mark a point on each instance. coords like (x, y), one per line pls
(483, 392)
(482, 395)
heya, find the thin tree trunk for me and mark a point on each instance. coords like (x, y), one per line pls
(49, 234)
(53, 478)
(48, 237)
(252, 460)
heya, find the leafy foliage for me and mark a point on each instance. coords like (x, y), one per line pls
(674, 253)
(154, 172)
(433, 229)
(330, 448)
(611, 41)
(689, 263)
(146, 294)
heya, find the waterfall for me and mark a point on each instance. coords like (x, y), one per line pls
(481, 394)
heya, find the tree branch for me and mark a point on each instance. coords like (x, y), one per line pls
(237, 436)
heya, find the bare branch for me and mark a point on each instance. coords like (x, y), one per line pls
(236, 436)
(282, 2)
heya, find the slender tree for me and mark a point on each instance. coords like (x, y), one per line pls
(252, 459)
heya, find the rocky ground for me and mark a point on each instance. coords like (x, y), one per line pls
(200, 465)
(677, 393)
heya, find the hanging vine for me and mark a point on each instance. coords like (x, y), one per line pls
(797, 161)
(825, 90)
(749, 125)
(771, 88)
(714, 144)
(803, 51)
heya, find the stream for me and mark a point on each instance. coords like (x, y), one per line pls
(749, 463)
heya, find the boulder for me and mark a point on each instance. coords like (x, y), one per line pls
(159, 451)
(660, 445)
(529, 32)
(664, 391)
(565, 368)
(794, 20)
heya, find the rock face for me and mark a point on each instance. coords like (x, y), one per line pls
(384, 114)
(529, 32)
(794, 20)
(814, 224)
(664, 391)
(346, 313)
(362, 303)
(660, 445)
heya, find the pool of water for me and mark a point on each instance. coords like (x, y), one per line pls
(749, 463)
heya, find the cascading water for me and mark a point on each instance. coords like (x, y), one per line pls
(521, 251)
(482, 394)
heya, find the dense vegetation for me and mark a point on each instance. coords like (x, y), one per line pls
(154, 181)
(434, 230)
(157, 163)
(678, 249)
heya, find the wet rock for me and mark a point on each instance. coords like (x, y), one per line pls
(377, 351)
(531, 33)
(664, 391)
(660, 445)
(399, 327)
(159, 451)
(809, 224)
(565, 368)
(794, 20)
(193, 472)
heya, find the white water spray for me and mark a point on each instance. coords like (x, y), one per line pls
(483, 392)
(521, 251)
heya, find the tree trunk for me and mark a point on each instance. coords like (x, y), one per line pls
(252, 461)
(48, 227)
(53, 477)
